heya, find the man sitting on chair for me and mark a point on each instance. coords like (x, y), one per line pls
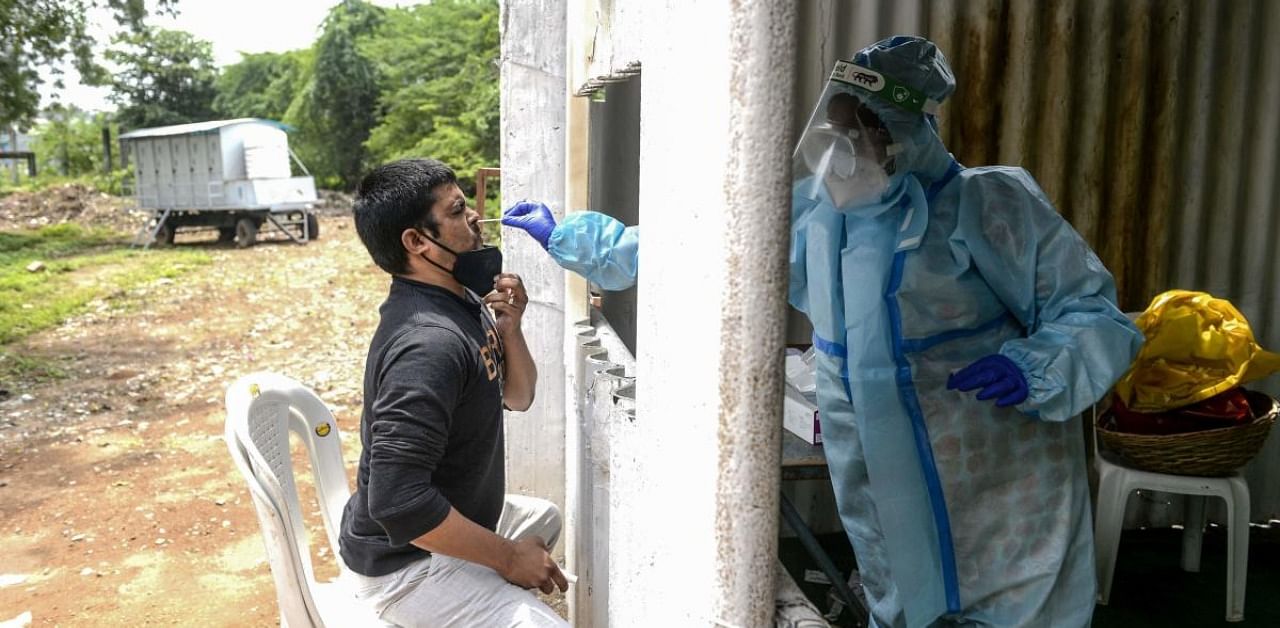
(428, 533)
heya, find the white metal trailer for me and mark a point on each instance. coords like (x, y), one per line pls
(229, 175)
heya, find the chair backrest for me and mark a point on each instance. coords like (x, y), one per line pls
(293, 590)
(262, 409)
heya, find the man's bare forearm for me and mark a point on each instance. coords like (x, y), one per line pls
(522, 373)
(524, 563)
(460, 537)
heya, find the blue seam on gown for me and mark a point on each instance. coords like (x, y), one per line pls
(833, 349)
(916, 345)
(907, 388)
(946, 546)
(840, 352)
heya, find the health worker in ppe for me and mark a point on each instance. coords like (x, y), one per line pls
(594, 245)
(926, 281)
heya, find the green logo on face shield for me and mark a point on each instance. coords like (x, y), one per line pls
(901, 95)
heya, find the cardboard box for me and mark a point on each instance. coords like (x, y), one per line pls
(800, 415)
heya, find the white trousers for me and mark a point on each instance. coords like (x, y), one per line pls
(442, 591)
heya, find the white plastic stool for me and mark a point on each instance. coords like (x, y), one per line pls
(1116, 482)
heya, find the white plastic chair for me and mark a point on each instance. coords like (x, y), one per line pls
(1116, 482)
(262, 409)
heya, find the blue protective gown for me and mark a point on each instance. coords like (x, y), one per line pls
(598, 247)
(959, 510)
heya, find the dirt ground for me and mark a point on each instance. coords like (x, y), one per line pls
(66, 203)
(118, 500)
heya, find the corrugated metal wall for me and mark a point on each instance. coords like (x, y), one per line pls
(1152, 125)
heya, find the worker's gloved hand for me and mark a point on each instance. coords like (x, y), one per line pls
(997, 376)
(535, 218)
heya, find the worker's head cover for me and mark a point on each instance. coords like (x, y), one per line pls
(911, 61)
(1197, 346)
(871, 122)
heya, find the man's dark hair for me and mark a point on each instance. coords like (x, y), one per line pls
(395, 197)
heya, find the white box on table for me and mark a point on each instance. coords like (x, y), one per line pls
(800, 415)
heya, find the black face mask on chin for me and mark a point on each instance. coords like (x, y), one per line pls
(475, 270)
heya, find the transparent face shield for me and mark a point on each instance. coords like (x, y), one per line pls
(846, 149)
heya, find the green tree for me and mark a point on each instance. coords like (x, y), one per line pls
(69, 142)
(262, 85)
(44, 33)
(438, 71)
(166, 77)
(336, 107)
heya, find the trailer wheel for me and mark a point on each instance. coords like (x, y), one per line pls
(246, 232)
(226, 234)
(313, 226)
(165, 236)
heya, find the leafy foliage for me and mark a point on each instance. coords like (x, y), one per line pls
(44, 33)
(438, 79)
(69, 142)
(68, 148)
(262, 85)
(377, 85)
(166, 77)
(335, 108)
(114, 182)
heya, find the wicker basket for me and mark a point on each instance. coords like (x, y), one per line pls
(1207, 453)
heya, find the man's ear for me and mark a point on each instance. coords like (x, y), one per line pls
(414, 242)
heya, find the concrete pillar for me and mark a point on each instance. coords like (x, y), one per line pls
(714, 207)
(533, 148)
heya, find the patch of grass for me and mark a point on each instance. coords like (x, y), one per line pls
(15, 367)
(52, 241)
(80, 265)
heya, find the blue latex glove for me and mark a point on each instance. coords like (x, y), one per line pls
(997, 376)
(535, 218)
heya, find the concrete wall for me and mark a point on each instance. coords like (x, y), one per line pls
(690, 471)
(714, 204)
(604, 393)
(533, 158)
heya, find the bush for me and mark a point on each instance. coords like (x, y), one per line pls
(117, 183)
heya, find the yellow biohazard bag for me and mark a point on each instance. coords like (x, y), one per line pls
(1196, 347)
